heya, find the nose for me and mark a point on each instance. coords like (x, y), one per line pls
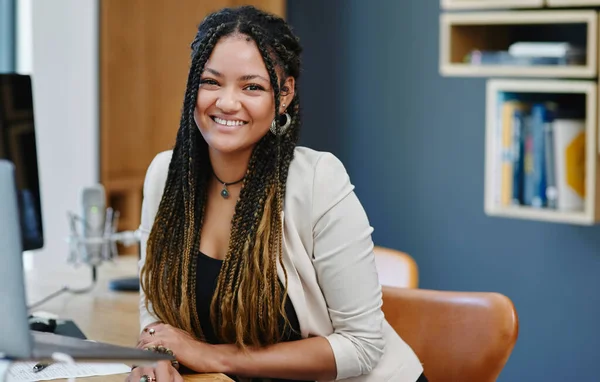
(228, 102)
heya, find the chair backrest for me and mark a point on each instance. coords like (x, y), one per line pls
(396, 268)
(458, 336)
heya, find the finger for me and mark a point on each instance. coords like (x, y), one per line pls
(149, 333)
(144, 341)
(134, 376)
(176, 376)
(148, 341)
(152, 345)
(163, 372)
(157, 326)
(138, 372)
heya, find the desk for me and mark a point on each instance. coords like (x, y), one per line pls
(102, 314)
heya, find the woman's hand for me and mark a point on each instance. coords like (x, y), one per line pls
(163, 372)
(196, 355)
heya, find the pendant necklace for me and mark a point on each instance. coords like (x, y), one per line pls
(224, 191)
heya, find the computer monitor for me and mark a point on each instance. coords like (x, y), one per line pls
(18, 145)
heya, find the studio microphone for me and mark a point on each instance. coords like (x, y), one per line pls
(93, 213)
(93, 236)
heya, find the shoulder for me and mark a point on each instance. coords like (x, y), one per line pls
(160, 163)
(158, 170)
(154, 183)
(311, 164)
(317, 179)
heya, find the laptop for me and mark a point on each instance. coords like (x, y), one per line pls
(17, 341)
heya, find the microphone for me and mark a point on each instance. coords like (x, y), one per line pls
(94, 240)
(93, 211)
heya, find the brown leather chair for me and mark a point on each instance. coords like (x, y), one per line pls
(458, 336)
(396, 268)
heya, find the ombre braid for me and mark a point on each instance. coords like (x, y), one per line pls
(249, 298)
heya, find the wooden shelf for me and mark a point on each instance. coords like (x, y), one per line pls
(463, 33)
(540, 214)
(573, 3)
(587, 91)
(489, 4)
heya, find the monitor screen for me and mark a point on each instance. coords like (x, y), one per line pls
(17, 144)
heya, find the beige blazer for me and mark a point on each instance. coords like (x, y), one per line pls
(328, 255)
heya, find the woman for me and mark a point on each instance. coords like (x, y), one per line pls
(257, 256)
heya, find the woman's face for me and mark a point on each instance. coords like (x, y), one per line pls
(235, 106)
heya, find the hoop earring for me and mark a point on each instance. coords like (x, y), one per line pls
(288, 122)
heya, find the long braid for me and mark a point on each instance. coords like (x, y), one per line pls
(248, 291)
(195, 182)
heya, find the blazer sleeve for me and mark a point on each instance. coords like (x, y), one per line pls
(345, 265)
(153, 189)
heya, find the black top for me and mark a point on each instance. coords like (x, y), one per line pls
(207, 273)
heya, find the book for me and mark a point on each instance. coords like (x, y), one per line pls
(569, 153)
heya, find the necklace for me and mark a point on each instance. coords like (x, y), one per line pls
(224, 191)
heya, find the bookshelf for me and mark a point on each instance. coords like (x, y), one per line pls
(583, 95)
(555, 100)
(462, 34)
(489, 4)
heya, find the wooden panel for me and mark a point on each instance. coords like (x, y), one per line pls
(144, 61)
(277, 7)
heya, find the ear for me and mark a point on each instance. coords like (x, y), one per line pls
(287, 94)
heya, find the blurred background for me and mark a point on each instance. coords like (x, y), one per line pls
(109, 77)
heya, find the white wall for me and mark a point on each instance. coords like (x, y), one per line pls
(64, 65)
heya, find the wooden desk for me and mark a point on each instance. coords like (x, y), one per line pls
(102, 314)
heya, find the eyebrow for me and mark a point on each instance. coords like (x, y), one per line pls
(247, 77)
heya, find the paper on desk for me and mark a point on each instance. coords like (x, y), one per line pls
(23, 371)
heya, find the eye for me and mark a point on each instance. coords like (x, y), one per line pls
(208, 82)
(254, 87)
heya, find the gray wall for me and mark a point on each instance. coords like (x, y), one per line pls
(413, 143)
(7, 36)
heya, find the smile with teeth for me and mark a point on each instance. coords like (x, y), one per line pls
(227, 122)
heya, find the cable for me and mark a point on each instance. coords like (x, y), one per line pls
(68, 289)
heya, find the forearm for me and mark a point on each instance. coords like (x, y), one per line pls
(309, 359)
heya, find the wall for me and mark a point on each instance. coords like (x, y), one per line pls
(7, 35)
(413, 143)
(65, 74)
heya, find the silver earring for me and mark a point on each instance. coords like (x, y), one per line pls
(288, 122)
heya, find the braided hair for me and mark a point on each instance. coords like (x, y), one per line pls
(248, 297)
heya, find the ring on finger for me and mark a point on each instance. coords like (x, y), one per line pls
(151, 331)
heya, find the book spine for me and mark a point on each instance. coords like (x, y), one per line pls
(542, 114)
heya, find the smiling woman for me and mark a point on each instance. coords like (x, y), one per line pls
(257, 259)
